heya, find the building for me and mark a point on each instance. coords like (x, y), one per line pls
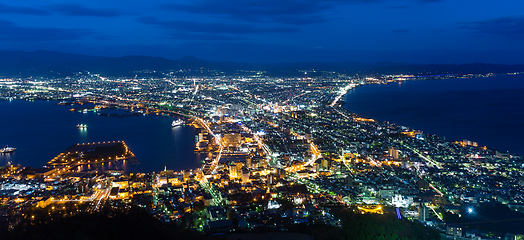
(393, 153)
(215, 213)
(454, 230)
(245, 176)
(387, 192)
(235, 170)
(423, 213)
(232, 140)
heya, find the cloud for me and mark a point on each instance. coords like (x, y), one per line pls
(241, 51)
(512, 27)
(212, 27)
(79, 10)
(13, 32)
(296, 12)
(22, 10)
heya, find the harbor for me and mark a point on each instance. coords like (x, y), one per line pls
(91, 153)
(151, 138)
(84, 157)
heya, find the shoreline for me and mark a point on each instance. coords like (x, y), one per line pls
(343, 103)
(33, 154)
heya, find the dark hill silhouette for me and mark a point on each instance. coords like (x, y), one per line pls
(46, 63)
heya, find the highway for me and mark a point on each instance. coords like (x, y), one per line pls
(343, 91)
(215, 162)
(269, 154)
(315, 153)
(217, 197)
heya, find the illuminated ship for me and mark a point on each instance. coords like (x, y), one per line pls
(81, 126)
(7, 149)
(177, 123)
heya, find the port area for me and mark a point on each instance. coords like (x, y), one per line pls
(92, 153)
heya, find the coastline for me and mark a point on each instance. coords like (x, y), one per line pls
(343, 103)
(168, 148)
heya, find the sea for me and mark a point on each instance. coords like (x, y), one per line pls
(489, 111)
(40, 130)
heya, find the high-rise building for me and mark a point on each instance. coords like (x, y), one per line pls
(245, 176)
(422, 212)
(393, 152)
(235, 170)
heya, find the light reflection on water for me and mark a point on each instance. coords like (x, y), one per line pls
(40, 130)
(6, 158)
(485, 110)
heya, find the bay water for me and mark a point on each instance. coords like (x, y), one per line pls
(488, 110)
(40, 130)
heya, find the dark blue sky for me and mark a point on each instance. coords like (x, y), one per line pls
(412, 31)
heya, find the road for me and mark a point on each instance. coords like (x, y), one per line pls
(215, 162)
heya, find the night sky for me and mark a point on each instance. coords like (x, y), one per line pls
(411, 31)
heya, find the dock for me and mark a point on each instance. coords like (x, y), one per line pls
(92, 153)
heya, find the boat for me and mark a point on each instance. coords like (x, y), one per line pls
(81, 126)
(7, 149)
(177, 123)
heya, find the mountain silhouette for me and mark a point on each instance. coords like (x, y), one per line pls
(57, 64)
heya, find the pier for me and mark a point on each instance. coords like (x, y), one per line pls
(92, 153)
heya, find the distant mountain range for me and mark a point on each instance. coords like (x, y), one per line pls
(46, 63)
